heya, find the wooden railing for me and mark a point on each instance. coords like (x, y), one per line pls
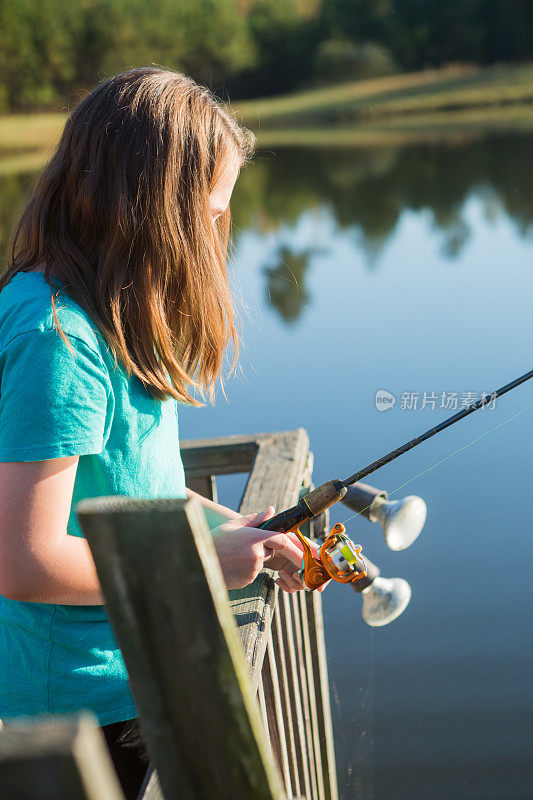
(233, 696)
(282, 636)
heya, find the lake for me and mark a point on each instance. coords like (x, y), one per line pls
(405, 269)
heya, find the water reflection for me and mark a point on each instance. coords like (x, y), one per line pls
(285, 281)
(366, 191)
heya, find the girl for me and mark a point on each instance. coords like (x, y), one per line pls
(115, 307)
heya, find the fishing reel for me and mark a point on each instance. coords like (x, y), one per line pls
(339, 559)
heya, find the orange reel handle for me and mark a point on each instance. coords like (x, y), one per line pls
(315, 574)
(315, 570)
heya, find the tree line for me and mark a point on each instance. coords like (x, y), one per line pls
(51, 50)
(365, 191)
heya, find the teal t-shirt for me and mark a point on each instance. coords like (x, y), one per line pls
(61, 658)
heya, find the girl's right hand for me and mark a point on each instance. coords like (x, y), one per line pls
(241, 550)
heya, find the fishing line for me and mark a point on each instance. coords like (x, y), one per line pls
(438, 463)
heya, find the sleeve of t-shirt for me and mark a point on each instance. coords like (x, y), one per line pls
(53, 403)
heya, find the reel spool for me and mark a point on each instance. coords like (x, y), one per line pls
(339, 559)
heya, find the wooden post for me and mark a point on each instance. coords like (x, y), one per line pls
(169, 608)
(204, 485)
(317, 650)
(63, 758)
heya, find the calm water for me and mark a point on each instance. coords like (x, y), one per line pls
(407, 270)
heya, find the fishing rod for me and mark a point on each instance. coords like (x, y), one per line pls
(339, 558)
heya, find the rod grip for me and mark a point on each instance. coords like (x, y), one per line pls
(317, 500)
(310, 505)
(286, 520)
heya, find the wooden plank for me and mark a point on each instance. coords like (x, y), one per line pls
(225, 442)
(204, 485)
(305, 690)
(264, 714)
(223, 454)
(276, 724)
(218, 458)
(167, 602)
(308, 471)
(305, 679)
(320, 672)
(63, 758)
(295, 693)
(313, 529)
(277, 471)
(312, 628)
(275, 480)
(289, 720)
(313, 712)
(252, 607)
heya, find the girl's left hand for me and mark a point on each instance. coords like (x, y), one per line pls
(288, 578)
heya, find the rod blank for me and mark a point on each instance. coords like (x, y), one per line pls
(362, 473)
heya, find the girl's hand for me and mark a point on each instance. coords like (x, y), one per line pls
(288, 579)
(242, 550)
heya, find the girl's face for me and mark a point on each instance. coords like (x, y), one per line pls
(221, 194)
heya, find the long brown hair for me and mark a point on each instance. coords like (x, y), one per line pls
(121, 215)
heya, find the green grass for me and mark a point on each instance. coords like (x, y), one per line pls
(466, 124)
(29, 131)
(26, 140)
(457, 100)
(445, 90)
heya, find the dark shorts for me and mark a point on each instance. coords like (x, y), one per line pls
(129, 754)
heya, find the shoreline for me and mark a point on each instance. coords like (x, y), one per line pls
(433, 105)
